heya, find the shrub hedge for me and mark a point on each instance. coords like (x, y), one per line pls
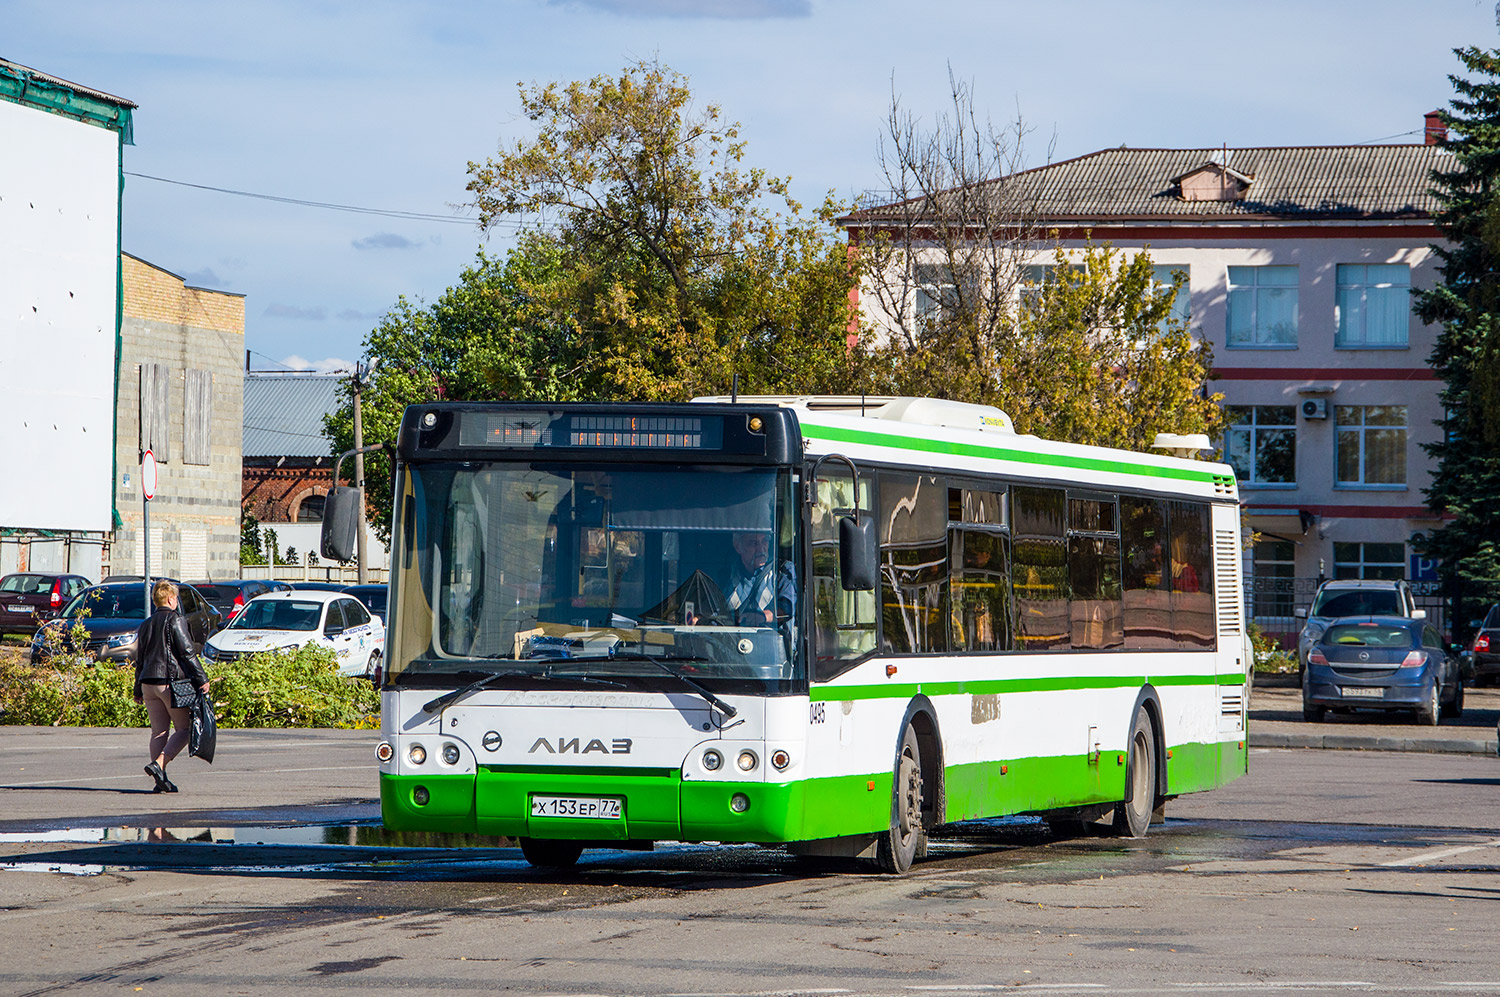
(288, 688)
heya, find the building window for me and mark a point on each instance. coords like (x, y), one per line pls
(1369, 560)
(1261, 444)
(1374, 305)
(1371, 444)
(1162, 277)
(310, 509)
(936, 291)
(1034, 276)
(1273, 571)
(1262, 307)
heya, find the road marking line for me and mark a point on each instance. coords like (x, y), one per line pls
(1442, 853)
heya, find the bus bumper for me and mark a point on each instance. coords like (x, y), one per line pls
(655, 806)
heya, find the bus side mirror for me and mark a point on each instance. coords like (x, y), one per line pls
(857, 558)
(342, 508)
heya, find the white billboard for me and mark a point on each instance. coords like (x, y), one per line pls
(59, 213)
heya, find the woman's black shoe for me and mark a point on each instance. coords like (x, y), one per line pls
(162, 785)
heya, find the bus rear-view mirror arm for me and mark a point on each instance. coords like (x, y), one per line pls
(343, 507)
(858, 560)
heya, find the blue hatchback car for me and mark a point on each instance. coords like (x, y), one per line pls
(1382, 663)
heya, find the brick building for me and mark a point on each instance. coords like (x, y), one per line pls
(180, 394)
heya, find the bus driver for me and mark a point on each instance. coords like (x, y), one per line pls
(754, 593)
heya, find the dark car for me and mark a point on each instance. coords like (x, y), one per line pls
(1353, 597)
(1382, 663)
(30, 598)
(319, 586)
(1484, 650)
(110, 615)
(230, 596)
(373, 597)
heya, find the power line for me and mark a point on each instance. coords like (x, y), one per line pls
(416, 216)
(1387, 138)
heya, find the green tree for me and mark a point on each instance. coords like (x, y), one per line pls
(250, 552)
(1092, 355)
(1466, 357)
(677, 267)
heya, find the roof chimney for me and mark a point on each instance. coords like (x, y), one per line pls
(1433, 128)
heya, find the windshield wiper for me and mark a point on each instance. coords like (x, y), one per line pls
(712, 700)
(546, 675)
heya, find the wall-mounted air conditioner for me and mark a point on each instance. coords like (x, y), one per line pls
(1315, 408)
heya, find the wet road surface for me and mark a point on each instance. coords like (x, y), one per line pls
(1320, 872)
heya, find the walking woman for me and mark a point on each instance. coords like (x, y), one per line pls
(164, 652)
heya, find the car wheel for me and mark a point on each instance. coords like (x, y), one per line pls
(372, 667)
(1312, 714)
(1428, 712)
(1455, 708)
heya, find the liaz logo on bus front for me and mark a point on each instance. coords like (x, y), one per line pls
(565, 746)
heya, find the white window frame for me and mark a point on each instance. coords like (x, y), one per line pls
(1362, 430)
(1362, 565)
(1253, 292)
(1353, 278)
(1252, 430)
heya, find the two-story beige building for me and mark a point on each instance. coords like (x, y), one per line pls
(182, 356)
(1300, 263)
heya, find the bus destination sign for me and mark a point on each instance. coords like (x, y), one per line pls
(547, 430)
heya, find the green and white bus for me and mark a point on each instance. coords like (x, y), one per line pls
(824, 623)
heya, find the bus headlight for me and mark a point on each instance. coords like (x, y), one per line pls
(450, 754)
(712, 760)
(747, 761)
(416, 754)
(780, 760)
(384, 752)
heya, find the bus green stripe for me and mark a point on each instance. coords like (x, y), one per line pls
(987, 687)
(839, 435)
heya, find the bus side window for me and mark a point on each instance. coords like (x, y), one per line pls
(843, 622)
(1039, 568)
(914, 563)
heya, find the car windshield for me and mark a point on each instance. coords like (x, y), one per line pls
(504, 564)
(25, 584)
(1335, 602)
(1492, 620)
(1368, 635)
(217, 593)
(109, 602)
(278, 614)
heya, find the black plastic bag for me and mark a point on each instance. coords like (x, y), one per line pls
(204, 735)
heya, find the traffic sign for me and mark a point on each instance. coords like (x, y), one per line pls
(148, 475)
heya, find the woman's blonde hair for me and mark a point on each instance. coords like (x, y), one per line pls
(162, 592)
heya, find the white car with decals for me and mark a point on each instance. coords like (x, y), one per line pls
(300, 617)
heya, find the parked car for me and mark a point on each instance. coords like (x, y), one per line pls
(1484, 649)
(230, 596)
(1382, 663)
(110, 614)
(30, 598)
(318, 586)
(300, 617)
(1353, 597)
(372, 596)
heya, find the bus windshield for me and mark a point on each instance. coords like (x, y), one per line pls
(597, 572)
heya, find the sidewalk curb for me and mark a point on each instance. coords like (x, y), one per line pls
(1356, 742)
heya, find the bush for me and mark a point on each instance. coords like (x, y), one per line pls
(288, 688)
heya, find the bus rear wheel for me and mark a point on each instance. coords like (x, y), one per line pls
(549, 853)
(899, 845)
(1133, 814)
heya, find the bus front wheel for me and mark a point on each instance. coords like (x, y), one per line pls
(546, 853)
(897, 847)
(1133, 814)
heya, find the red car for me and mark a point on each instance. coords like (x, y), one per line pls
(29, 599)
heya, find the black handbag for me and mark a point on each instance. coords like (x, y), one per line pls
(203, 735)
(184, 693)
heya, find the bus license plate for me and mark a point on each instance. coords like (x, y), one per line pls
(1363, 692)
(586, 807)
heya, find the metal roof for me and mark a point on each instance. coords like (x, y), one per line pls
(284, 413)
(1350, 182)
(19, 70)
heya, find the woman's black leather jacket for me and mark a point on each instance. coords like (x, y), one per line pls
(162, 640)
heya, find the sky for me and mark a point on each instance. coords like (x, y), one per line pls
(382, 104)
